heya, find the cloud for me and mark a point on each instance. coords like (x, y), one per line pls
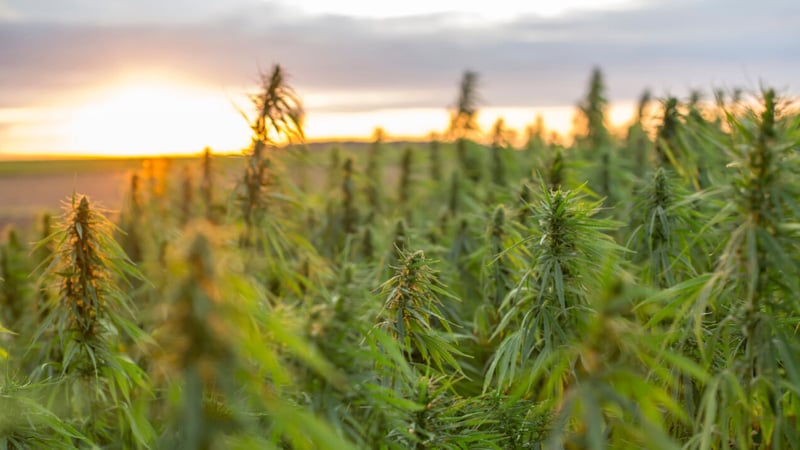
(416, 61)
(7, 13)
(121, 12)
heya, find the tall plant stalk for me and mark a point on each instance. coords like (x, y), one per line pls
(89, 320)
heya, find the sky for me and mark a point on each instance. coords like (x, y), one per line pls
(120, 77)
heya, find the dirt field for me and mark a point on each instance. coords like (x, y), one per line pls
(30, 188)
(24, 197)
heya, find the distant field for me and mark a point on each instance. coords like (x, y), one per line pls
(60, 167)
(30, 188)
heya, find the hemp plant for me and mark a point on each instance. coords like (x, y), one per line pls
(412, 308)
(498, 264)
(523, 204)
(187, 197)
(373, 170)
(463, 123)
(498, 163)
(751, 350)
(566, 249)
(207, 184)
(16, 291)
(593, 112)
(197, 338)
(435, 158)
(454, 195)
(132, 221)
(535, 144)
(400, 242)
(278, 117)
(667, 144)
(595, 139)
(89, 320)
(663, 227)
(555, 170)
(593, 384)
(27, 423)
(349, 211)
(404, 187)
(226, 358)
(637, 142)
(499, 267)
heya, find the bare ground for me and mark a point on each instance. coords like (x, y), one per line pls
(24, 197)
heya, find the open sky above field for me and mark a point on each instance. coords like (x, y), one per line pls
(119, 77)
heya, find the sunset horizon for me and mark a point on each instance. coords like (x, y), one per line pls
(143, 117)
(411, 125)
(139, 80)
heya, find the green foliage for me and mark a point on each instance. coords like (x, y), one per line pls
(413, 297)
(665, 231)
(89, 319)
(278, 109)
(25, 423)
(754, 286)
(349, 211)
(499, 141)
(404, 189)
(435, 160)
(593, 110)
(207, 184)
(637, 141)
(666, 140)
(501, 308)
(278, 116)
(16, 290)
(566, 249)
(373, 171)
(463, 124)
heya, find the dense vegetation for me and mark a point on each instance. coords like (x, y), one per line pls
(636, 291)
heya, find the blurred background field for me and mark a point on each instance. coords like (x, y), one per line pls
(32, 187)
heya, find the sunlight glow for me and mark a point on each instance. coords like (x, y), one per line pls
(152, 118)
(157, 117)
(419, 122)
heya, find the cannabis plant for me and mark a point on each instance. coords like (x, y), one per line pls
(412, 314)
(567, 247)
(374, 174)
(463, 124)
(89, 320)
(666, 231)
(16, 291)
(752, 349)
(349, 211)
(278, 116)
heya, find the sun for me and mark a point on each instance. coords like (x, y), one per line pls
(143, 118)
